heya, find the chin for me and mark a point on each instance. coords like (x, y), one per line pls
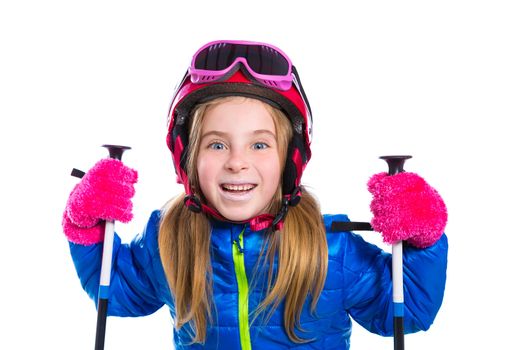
(239, 215)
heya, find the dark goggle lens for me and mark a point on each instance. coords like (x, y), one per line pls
(261, 59)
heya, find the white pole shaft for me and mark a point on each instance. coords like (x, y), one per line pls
(397, 271)
(107, 254)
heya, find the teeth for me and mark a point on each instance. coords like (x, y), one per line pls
(238, 187)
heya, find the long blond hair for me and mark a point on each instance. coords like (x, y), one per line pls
(301, 248)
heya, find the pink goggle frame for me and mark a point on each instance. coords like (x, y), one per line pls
(265, 63)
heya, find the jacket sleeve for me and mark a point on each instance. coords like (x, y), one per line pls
(134, 284)
(368, 284)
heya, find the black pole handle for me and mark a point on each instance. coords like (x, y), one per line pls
(116, 151)
(395, 163)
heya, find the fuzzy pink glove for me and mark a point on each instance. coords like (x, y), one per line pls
(104, 193)
(406, 208)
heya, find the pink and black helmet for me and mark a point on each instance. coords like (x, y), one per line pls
(251, 69)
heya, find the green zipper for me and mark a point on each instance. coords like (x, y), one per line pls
(242, 283)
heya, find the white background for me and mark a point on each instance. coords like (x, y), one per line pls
(443, 81)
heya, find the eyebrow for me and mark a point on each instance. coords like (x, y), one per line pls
(265, 131)
(214, 132)
(225, 134)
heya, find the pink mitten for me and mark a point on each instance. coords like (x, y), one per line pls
(405, 207)
(104, 193)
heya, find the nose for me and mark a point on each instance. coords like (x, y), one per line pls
(237, 161)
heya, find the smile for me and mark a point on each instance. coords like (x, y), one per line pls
(237, 192)
(237, 188)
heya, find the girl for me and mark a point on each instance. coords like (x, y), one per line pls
(244, 259)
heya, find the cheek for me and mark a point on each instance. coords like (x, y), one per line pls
(201, 169)
(205, 171)
(272, 172)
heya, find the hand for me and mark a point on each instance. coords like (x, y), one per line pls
(104, 193)
(405, 207)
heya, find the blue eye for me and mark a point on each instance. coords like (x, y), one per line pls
(216, 146)
(260, 145)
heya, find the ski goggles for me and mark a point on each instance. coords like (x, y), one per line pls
(265, 63)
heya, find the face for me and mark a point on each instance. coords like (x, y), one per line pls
(238, 161)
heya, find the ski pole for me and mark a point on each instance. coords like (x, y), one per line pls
(395, 166)
(115, 152)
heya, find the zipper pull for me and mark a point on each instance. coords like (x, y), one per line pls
(236, 240)
(238, 244)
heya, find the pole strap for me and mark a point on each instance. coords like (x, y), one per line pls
(351, 226)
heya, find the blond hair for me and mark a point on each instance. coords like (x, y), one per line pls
(301, 248)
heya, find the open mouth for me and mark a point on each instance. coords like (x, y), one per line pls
(244, 188)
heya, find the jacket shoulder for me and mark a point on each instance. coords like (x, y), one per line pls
(151, 230)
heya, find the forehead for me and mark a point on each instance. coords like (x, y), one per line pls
(238, 114)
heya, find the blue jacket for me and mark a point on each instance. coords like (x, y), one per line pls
(358, 284)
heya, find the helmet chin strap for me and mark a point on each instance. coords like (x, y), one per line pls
(260, 222)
